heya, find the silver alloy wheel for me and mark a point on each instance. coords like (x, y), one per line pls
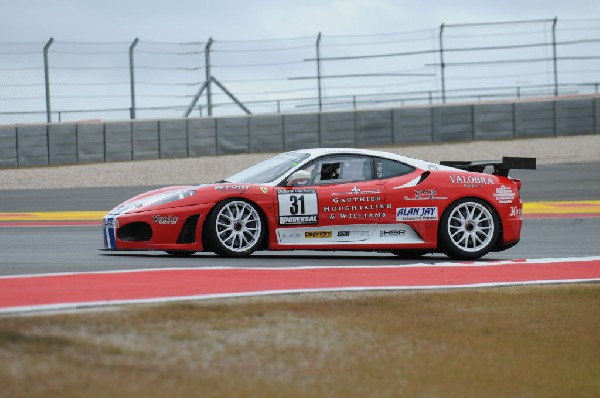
(238, 226)
(471, 226)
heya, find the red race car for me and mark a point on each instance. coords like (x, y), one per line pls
(331, 199)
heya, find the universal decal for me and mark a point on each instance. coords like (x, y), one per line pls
(298, 206)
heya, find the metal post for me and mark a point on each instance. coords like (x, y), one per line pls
(442, 65)
(318, 48)
(278, 106)
(518, 92)
(354, 102)
(195, 99)
(47, 80)
(208, 80)
(554, 56)
(233, 97)
(430, 98)
(132, 77)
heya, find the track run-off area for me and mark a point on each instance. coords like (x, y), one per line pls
(50, 257)
(68, 290)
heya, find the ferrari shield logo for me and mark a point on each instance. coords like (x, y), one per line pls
(264, 190)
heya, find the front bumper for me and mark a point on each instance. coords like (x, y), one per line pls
(169, 229)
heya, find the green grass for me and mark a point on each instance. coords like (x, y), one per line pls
(540, 341)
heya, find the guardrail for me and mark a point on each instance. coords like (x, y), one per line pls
(72, 143)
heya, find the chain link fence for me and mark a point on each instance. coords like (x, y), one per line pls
(62, 81)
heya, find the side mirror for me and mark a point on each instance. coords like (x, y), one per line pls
(298, 177)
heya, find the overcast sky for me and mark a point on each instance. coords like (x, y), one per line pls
(185, 20)
(95, 76)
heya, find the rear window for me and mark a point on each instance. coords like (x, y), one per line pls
(387, 168)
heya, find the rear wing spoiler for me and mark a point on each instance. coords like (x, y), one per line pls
(501, 167)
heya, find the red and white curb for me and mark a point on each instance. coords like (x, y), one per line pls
(47, 292)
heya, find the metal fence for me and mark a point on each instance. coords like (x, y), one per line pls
(67, 81)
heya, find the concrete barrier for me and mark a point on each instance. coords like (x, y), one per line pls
(493, 121)
(173, 138)
(118, 141)
(55, 144)
(145, 140)
(90, 143)
(301, 131)
(202, 135)
(413, 125)
(534, 119)
(32, 145)
(8, 147)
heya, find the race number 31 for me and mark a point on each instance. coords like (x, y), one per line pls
(298, 206)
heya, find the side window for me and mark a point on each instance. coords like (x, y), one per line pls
(386, 168)
(330, 171)
(340, 169)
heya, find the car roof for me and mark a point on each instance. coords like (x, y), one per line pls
(421, 164)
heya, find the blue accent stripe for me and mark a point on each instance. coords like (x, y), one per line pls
(109, 232)
(112, 237)
(104, 232)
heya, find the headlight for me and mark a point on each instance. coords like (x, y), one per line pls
(174, 196)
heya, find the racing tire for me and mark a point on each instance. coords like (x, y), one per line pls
(235, 228)
(179, 253)
(469, 229)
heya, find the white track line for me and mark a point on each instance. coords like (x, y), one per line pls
(91, 304)
(492, 263)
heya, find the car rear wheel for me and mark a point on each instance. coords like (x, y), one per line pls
(469, 229)
(235, 228)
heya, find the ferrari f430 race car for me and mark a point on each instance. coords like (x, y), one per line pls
(331, 199)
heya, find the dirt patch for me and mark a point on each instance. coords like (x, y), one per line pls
(212, 168)
(534, 341)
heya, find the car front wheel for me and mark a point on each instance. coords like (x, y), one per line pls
(235, 228)
(469, 229)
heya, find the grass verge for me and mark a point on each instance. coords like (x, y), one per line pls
(521, 341)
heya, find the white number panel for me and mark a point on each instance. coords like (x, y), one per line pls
(298, 206)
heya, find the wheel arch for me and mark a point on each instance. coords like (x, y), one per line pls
(483, 199)
(261, 212)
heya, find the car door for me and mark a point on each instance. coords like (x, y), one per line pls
(341, 203)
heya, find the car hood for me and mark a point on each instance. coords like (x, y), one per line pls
(149, 199)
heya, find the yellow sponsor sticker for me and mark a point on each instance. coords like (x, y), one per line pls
(318, 234)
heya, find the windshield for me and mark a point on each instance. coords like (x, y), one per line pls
(270, 169)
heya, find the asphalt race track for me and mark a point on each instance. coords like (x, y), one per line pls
(34, 250)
